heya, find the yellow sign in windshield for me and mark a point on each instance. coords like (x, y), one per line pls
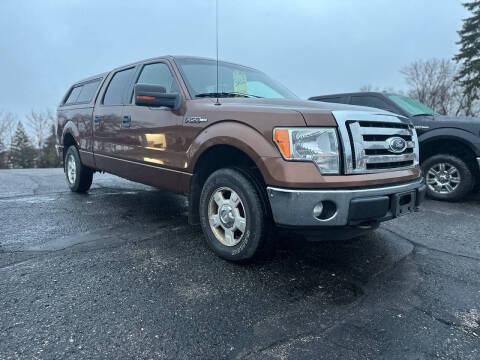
(240, 82)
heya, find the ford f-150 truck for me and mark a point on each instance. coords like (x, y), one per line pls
(249, 154)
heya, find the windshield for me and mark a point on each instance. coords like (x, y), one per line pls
(411, 106)
(200, 76)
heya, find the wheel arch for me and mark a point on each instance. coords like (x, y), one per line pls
(235, 134)
(217, 148)
(462, 137)
(452, 145)
(70, 135)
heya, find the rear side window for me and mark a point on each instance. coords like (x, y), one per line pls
(335, 99)
(116, 89)
(88, 91)
(72, 98)
(370, 101)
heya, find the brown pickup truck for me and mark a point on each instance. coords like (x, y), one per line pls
(251, 156)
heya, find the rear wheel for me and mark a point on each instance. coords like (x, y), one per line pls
(448, 177)
(233, 216)
(79, 177)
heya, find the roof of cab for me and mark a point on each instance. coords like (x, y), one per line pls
(170, 57)
(173, 57)
(90, 78)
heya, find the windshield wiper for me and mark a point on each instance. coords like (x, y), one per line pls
(226, 94)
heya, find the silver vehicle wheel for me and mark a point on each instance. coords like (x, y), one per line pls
(443, 178)
(227, 216)
(71, 169)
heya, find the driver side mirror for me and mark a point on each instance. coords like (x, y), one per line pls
(156, 96)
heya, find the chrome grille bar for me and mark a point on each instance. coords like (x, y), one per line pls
(378, 159)
(383, 131)
(364, 134)
(382, 145)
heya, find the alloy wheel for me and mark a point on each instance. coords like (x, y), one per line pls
(71, 169)
(227, 216)
(443, 178)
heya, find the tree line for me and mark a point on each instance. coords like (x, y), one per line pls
(35, 148)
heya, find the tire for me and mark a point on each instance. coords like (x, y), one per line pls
(221, 217)
(448, 177)
(79, 177)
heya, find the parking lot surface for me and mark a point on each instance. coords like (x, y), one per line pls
(118, 273)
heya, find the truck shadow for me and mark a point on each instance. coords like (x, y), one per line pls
(336, 271)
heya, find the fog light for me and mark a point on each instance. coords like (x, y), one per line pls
(325, 210)
(317, 210)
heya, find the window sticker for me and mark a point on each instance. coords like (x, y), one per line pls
(240, 82)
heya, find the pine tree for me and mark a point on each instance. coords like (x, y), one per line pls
(3, 162)
(469, 55)
(48, 156)
(22, 153)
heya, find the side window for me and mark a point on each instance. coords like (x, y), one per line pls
(116, 88)
(88, 91)
(335, 99)
(158, 74)
(370, 101)
(72, 97)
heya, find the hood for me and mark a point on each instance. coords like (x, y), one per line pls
(448, 119)
(462, 119)
(289, 104)
(315, 113)
(471, 124)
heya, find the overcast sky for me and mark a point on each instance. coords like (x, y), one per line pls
(313, 47)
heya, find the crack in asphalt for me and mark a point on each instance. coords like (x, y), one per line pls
(33, 195)
(277, 343)
(448, 323)
(99, 234)
(3, 267)
(35, 192)
(415, 243)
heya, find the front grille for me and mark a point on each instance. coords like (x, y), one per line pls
(385, 151)
(365, 138)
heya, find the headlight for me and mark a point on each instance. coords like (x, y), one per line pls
(318, 145)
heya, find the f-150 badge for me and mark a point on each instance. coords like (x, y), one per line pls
(195, 119)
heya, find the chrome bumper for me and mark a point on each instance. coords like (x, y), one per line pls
(478, 160)
(294, 207)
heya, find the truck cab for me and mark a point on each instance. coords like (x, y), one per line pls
(250, 155)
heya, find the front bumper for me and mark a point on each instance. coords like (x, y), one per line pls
(294, 208)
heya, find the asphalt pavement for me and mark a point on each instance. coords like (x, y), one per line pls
(119, 274)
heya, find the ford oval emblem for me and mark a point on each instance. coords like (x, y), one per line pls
(396, 144)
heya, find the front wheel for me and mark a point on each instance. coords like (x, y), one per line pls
(448, 177)
(233, 216)
(79, 177)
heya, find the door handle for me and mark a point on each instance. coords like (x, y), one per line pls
(96, 120)
(126, 121)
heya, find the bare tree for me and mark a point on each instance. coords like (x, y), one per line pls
(371, 88)
(8, 123)
(432, 82)
(368, 88)
(40, 124)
